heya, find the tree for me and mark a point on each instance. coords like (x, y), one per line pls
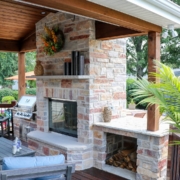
(137, 59)
(137, 52)
(170, 48)
(30, 61)
(137, 56)
(176, 1)
(8, 67)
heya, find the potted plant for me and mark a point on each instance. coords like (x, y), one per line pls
(166, 93)
(132, 105)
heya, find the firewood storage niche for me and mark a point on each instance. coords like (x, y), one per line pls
(121, 151)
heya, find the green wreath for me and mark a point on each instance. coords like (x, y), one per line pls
(53, 40)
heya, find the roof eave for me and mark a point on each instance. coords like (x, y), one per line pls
(164, 8)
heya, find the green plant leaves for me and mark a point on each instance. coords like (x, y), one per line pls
(165, 93)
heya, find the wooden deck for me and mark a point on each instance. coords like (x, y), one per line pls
(95, 174)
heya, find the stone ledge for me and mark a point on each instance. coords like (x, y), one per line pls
(58, 140)
(131, 125)
(62, 77)
(120, 172)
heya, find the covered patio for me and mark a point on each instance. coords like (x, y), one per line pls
(112, 20)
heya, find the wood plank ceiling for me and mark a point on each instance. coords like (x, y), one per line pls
(17, 20)
(110, 24)
(98, 12)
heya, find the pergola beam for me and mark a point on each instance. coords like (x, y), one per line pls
(92, 10)
(153, 114)
(21, 74)
(106, 31)
(28, 43)
(9, 45)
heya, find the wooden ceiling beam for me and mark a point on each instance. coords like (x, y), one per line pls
(13, 36)
(11, 23)
(17, 26)
(9, 45)
(28, 43)
(18, 20)
(106, 31)
(16, 15)
(23, 7)
(101, 13)
(12, 30)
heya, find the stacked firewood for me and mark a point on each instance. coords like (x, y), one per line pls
(124, 159)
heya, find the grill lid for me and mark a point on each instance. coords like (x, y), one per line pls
(27, 101)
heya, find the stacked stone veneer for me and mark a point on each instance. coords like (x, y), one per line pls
(105, 61)
(152, 152)
(21, 125)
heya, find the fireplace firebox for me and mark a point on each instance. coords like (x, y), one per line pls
(63, 117)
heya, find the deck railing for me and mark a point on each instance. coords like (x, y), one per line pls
(175, 158)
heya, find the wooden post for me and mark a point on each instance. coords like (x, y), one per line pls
(21, 74)
(153, 114)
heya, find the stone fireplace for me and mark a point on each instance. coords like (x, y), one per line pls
(103, 84)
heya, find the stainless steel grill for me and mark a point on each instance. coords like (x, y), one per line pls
(26, 107)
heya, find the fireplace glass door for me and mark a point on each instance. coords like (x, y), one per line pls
(63, 117)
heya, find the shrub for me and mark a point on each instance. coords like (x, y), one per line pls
(31, 84)
(7, 99)
(31, 91)
(5, 92)
(130, 85)
(15, 94)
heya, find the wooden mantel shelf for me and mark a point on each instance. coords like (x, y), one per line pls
(62, 77)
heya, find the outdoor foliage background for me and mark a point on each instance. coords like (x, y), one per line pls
(137, 53)
(137, 58)
(9, 66)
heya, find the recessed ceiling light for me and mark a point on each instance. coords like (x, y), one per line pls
(43, 13)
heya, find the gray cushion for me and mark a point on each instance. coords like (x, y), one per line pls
(28, 162)
(10, 163)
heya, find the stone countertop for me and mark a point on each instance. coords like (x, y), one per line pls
(134, 125)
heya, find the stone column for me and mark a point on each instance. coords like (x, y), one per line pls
(152, 154)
